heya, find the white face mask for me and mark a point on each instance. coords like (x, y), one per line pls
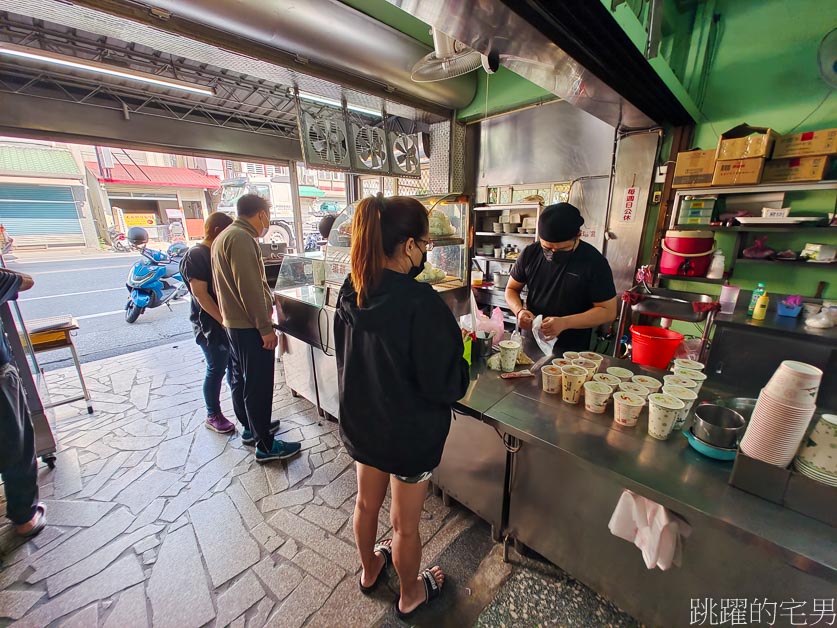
(265, 229)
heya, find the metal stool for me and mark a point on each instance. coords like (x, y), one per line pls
(51, 334)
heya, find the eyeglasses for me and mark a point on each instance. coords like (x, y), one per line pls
(428, 244)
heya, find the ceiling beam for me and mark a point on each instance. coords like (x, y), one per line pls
(34, 117)
(235, 43)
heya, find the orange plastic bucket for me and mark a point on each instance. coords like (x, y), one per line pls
(653, 346)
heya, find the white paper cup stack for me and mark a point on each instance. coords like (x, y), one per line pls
(782, 413)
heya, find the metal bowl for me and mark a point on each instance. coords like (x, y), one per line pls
(743, 405)
(718, 426)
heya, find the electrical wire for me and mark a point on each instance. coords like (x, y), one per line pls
(813, 111)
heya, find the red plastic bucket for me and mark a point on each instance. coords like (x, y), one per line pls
(654, 346)
(687, 253)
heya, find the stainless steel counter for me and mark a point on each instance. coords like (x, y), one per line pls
(565, 478)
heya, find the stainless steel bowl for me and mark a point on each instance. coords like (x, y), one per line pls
(718, 426)
(743, 405)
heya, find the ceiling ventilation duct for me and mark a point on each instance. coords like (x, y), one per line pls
(449, 59)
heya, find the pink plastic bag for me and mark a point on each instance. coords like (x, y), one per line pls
(493, 325)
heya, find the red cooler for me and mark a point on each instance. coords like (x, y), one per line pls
(687, 253)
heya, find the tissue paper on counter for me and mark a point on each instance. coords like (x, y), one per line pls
(656, 531)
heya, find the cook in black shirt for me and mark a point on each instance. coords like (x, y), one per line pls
(570, 283)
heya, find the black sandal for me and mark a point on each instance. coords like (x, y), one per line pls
(384, 550)
(432, 590)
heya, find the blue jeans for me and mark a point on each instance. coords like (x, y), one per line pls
(217, 363)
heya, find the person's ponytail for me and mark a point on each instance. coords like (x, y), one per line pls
(367, 253)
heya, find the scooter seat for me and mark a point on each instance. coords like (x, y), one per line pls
(171, 270)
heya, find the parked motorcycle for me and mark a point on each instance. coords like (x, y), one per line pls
(155, 279)
(118, 242)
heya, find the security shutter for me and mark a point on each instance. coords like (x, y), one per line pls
(40, 215)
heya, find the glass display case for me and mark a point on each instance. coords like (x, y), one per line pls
(447, 267)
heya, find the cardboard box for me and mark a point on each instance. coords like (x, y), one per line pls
(806, 144)
(738, 172)
(694, 169)
(745, 142)
(798, 169)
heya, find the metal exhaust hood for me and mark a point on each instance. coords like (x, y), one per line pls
(489, 26)
(327, 33)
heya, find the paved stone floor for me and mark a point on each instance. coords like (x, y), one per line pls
(154, 519)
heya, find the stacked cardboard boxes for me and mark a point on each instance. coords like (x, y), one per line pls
(742, 153)
(807, 156)
(743, 157)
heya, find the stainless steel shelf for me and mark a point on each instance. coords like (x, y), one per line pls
(761, 188)
(495, 259)
(693, 279)
(500, 235)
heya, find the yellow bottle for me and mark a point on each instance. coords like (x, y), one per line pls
(760, 312)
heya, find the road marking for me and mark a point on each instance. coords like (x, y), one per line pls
(122, 311)
(72, 294)
(52, 260)
(74, 270)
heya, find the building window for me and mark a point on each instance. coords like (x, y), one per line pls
(192, 209)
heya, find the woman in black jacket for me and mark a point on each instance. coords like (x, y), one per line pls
(400, 368)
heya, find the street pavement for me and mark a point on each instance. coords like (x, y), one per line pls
(92, 289)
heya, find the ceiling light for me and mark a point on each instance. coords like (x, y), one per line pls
(13, 50)
(336, 103)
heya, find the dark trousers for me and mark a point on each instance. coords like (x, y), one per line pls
(18, 466)
(217, 354)
(251, 380)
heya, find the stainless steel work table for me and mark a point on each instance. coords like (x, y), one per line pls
(564, 478)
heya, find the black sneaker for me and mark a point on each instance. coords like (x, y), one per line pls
(248, 438)
(280, 451)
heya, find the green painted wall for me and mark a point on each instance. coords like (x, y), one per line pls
(507, 91)
(765, 73)
(765, 70)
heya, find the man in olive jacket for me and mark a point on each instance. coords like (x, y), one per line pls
(246, 305)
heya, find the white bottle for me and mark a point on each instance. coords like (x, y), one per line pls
(716, 266)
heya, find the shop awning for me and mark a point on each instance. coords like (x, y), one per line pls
(155, 176)
(309, 191)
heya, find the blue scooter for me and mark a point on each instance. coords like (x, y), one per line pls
(155, 279)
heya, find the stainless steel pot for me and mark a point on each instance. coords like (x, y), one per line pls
(718, 426)
(743, 405)
(501, 280)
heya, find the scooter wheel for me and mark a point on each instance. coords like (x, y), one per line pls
(132, 312)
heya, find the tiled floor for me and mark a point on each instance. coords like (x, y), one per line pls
(155, 519)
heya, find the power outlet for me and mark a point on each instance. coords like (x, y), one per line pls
(658, 196)
(661, 174)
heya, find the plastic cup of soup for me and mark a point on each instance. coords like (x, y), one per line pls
(573, 378)
(626, 408)
(650, 383)
(682, 363)
(592, 356)
(677, 380)
(610, 380)
(617, 371)
(635, 389)
(508, 355)
(688, 396)
(571, 355)
(552, 377)
(596, 396)
(561, 362)
(663, 411)
(589, 365)
(696, 376)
